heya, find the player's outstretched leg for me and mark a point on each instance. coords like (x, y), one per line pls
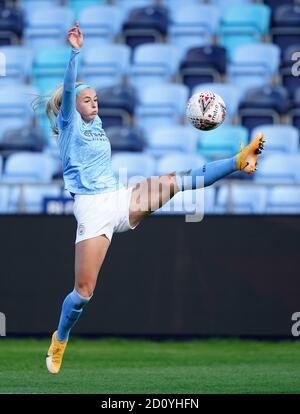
(245, 160)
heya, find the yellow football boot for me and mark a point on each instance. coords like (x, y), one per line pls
(55, 354)
(246, 159)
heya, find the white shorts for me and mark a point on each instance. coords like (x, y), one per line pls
(104, 213)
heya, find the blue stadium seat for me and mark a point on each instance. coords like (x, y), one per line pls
(25, 138)
(163, 104)
(241, 199)
(28, 5)
(117, 105)
(127, 5)
(191, 202)
(133, 166)
(193, 25)
(100, 24)
(28, 167)
(254, 65)
(263, 106)
(222, 142)
(243, 24)
(15, 106)
(154, 63)
(294, 113)
(126, 139)
(4, 198)
(47, 26)
(286, 21)
(105, 65)
(18, 63)
(78, 5)
(49, 66)
(181, 138)
(178, 162)
(230, 94)
(203, 65)
(279, 138)
(146, 25)
(11, 25)
(283, 200)
(278, 168)
(33, 197)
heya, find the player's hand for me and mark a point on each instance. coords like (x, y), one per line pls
(75, 36)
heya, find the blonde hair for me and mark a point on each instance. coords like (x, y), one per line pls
(53, 103)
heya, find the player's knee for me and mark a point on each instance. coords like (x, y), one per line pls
(85, 289)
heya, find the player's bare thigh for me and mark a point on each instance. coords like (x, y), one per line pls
(151, 194)
(89, 257)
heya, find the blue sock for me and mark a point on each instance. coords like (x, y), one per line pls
(71, 310)
(208, 173)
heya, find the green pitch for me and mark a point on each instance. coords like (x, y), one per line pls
(121, 366)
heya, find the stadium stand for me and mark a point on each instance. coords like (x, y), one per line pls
(145, 58)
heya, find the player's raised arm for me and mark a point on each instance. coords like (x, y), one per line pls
(75, 39)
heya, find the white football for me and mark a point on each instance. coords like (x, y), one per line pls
(206, 110)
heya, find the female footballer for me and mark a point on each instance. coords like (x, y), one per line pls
(102, 205)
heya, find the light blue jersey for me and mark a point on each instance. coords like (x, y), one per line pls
(84, 147)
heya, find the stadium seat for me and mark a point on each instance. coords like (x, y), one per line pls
(49, 66)
(163, 104)
(230, 94)
(242, 24)
(283, 200)
(162, 140)
(15, 106)
(204, 64)
(223, 142)
(26, 138)
(193, 25)
(286, 21)
(18, 63)
(279, 138)
(100, 24)
(11, 26)
(4, 198)
(30, 201)
(47, 26)
(154, 63)
(241, 199)
(278, 168)
(132, 167)
(126, 139)
(105, 65)
(178, 162)
(78, 5)
(28, 5)
(117, 105)
(254, 65)
(28, 167)
(294, 113)
(263, 106)
(145, 25)
(194, 203)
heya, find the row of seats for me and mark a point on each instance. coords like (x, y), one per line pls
(233, 199)
(102, 65)
(160, 104)
(40, 167)
(187, 25)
